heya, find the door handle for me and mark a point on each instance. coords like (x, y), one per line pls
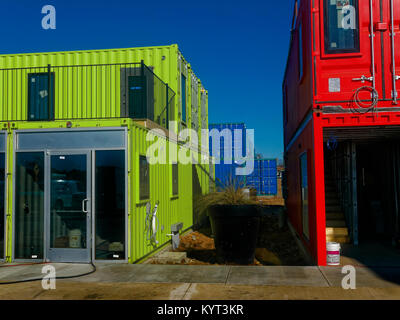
(84, 205)
(363, 79)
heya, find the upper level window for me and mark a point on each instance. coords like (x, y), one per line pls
(341, 26)
(183, 97)
(285, 105)
(301, 64)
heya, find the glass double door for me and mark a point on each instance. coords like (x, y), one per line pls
(69, 205)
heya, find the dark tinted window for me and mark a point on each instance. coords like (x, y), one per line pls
(2, 201)
(183, 92)
(144, 178)
(304, 193)
(341, 26)
(29, 205)
(301, 65)
(110, 205)
(175, 179)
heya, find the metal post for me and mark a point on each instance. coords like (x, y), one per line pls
(396, 179)
(354, 192)
(372, 36)
(167, 111)
(49, 97)
(392, 35)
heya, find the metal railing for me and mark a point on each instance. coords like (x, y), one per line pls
(97, 91)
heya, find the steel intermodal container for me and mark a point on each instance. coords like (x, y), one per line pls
(225, 171)
(264, 177)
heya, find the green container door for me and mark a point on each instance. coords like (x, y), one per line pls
(38, 97)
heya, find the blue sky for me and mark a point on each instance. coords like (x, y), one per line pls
(237, 48)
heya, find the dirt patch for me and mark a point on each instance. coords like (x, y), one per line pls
(279, 242)
(275, 246)
(200, 249)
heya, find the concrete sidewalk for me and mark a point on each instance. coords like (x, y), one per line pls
(125, 281)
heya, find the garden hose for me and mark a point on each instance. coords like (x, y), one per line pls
(364, 107)
(40, 279)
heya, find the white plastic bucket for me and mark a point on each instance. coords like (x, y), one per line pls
(333, 254)
(75, 237)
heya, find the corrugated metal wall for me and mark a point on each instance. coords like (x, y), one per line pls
(225, 173)
(104, 99)
(172, 209)
(264, 177)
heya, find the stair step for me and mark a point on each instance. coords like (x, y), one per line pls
(336, 224)
(332, 201)
(336, 231)
(335, 216)
(330, 187)
(333, 208)
(338, 239)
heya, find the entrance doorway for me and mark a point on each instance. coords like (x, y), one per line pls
(377, 190)
(69, 207)
(70, 195)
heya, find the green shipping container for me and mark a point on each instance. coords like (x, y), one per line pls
(76, 132)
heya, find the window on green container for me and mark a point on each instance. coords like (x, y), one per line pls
(29, 205)
(110, 205)
(144, 178)
(175, 179)
(2, 201)
(40, 96)
(341, 26)
(183, 97)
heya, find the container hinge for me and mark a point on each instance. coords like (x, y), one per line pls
(363, 79)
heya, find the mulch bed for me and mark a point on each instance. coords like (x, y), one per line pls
(274, 246)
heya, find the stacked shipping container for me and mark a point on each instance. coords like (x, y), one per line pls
(226, 154)
(264, 177)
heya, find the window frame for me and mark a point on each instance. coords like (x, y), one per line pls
(301, 50)
(4, 218)
(285, 105)
(301, 157)
(325, 34)
(183, 99)
(145, 197)
(173, 193)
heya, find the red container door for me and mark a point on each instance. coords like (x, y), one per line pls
(391, 49)
(349, 57)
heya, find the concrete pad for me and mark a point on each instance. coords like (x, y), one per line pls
(365, 277)
(113, 272)
(181, 273)
(277, 276)
(94, 291)
(15, 272)
(245, 292)
(170, 257)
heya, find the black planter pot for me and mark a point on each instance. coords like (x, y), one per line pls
(235, 228)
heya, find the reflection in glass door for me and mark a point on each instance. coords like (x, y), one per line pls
(69, 208)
